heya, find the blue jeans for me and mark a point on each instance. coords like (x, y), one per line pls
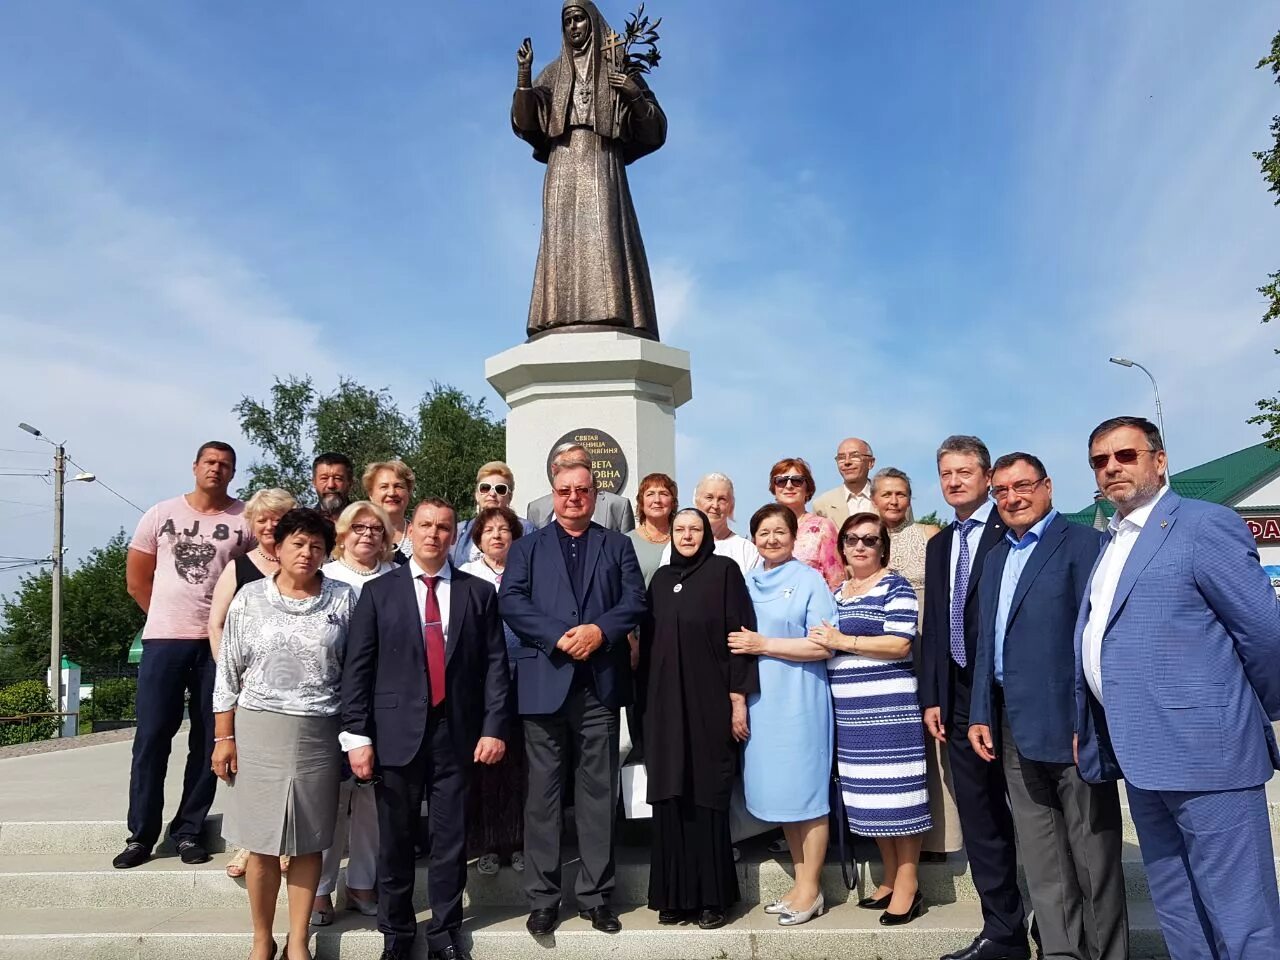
(171, 669)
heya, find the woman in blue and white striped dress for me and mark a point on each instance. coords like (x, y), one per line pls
(879, 734)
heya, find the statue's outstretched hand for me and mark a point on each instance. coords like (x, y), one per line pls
(524, 56)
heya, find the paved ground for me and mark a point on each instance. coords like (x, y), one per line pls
(92, 782)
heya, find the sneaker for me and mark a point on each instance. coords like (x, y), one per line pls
(131, 856)
(488, 865)
(192, 852)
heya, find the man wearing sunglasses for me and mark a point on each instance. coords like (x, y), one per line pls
(1023, 711)
(1177, 683)
(612, 511)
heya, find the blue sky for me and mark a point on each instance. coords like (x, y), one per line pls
(897, 221)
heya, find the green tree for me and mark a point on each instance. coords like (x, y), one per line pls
(449, 438)
(99, 618)
(1269, 162)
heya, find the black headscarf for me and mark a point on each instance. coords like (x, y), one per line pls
(690, 565)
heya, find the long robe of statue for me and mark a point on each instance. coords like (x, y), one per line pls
(592, 268)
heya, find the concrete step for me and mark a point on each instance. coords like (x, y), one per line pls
(21, 837)
(178, 934)
(78, 881)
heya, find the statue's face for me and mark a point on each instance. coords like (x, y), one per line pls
(577, 27)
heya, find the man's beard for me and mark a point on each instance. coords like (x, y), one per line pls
(332, 504)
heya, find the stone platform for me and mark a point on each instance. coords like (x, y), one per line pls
(62, 819)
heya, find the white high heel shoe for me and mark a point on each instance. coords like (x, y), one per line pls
(793, 917)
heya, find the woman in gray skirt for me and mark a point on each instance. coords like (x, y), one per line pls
(276, 703)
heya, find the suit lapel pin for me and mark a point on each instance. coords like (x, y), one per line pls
(1163, 524)
(678, 587)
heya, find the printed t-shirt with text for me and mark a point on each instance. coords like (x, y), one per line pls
(190, 548)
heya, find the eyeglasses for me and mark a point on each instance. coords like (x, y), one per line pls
(565, 492)
(501, 489)
(853, 457)
(790, 480)
(1126, 456)
(373, 531)
(872, 540)
(1021, 488)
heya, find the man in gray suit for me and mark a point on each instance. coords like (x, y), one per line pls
(612, 511)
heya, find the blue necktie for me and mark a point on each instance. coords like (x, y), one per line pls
(959, 592)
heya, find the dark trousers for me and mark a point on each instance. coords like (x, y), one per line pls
(588, 729)
(983, 802)
(1211, 870)
(436, 771)
(1070, 841)
(170, 671)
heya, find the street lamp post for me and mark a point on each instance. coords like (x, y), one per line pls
(1126, 362)
(55, 620)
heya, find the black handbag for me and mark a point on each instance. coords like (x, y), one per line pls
(839, 825)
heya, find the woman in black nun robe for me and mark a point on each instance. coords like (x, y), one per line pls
(694, 693)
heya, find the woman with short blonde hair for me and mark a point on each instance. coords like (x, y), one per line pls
(350, 514)
(495, 486)
(389, 484)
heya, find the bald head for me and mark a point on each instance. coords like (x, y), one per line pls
(854, 460)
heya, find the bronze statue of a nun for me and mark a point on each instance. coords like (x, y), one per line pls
(587, 119)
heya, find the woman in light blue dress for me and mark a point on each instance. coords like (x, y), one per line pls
(787, 761)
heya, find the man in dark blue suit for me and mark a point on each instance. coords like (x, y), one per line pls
(1023, 710)
(572, 592)
(953, 571)
(1177, 684)
(425, 693)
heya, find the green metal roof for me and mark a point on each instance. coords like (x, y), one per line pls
(1223, 481)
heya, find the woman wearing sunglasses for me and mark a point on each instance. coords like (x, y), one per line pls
(791, 482)
(495, 486)
(363, 551)
(879, 730)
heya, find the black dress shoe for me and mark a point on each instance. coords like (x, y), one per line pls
(602, 918)
(388, 955)
(542, 922)
(984, 949)
(669, 918)
(875, 903)
(192, 852)
(453, 952)
(711, 919)
(133, 855)
(888, 919)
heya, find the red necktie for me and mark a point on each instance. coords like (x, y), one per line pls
(434, 642)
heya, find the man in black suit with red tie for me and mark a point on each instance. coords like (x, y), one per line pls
(424, 695)
(953, 567)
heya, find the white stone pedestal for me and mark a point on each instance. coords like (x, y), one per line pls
(624, 386)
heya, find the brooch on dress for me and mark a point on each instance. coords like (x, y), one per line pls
(787, 592)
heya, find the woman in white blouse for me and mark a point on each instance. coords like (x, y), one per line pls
(276, 703)
(363, 551)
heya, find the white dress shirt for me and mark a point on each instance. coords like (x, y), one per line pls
(982, 515)
(350, 741)
(861, 501)
(1102, 592)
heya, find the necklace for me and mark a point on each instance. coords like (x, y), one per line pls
(359, 572)
(661, 538)
(857, 587)
(267, 558)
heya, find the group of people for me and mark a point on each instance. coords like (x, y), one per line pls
(842, 664)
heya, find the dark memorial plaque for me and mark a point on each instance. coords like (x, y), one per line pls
(608, 462)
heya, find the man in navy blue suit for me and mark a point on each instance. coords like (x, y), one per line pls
(1177, 684)
(1023, 710)
(425, 693)
(953, 571)
(572, 592)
